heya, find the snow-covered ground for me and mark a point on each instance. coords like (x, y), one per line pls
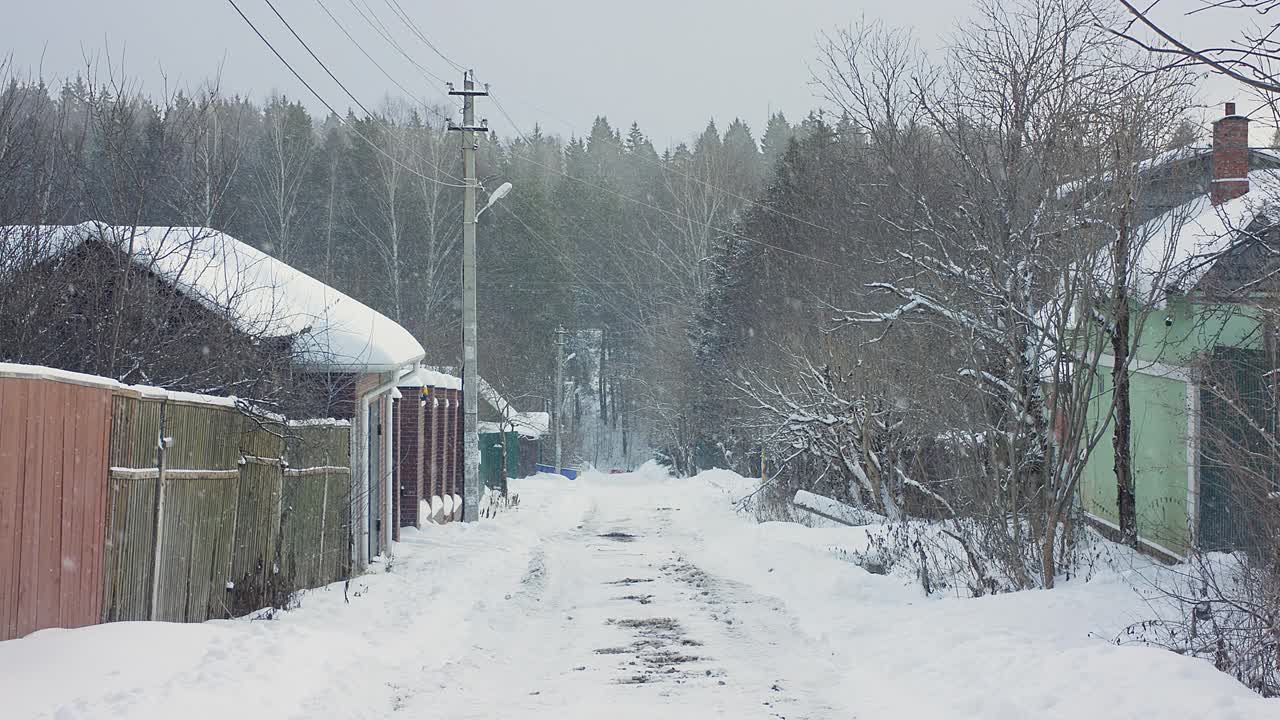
(630, 596)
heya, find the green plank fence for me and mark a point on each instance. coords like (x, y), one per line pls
(315, 503)
(213, 511)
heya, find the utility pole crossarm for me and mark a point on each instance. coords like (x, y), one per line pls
(469, 90)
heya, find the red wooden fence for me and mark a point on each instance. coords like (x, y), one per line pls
(53, 481)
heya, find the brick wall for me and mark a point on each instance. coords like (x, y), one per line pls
(451, 443)
(441, 463)
(409, 453)
(428, 446)
(1230, 157)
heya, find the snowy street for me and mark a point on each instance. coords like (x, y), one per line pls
(828, 360)
(629, 596)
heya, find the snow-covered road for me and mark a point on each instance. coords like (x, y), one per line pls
(615, 615)
(626, 597)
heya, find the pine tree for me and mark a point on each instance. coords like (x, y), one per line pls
(777, 135)
(743, 162)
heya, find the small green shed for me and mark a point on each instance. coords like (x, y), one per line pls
(491, 458)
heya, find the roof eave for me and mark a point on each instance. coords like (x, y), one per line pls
(362, 368)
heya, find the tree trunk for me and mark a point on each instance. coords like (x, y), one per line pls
(1126, 504)
(503, 476)
(1048, 568)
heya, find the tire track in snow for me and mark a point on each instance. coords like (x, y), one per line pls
(610, 619)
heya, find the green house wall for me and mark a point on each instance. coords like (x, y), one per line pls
(1179, 333)
(1159, 461)
(1174, 337)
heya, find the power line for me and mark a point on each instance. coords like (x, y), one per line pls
(385, 33)
(282, 60)
(319, 62)
(332, 110)
(383, 70)
(407, 20)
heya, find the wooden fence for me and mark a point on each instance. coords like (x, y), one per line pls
(316, 504)
(120, 503)
(53, 440)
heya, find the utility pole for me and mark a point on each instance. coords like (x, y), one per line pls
(559, 401)
(470, 406)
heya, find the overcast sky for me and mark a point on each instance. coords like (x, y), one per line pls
(667, 64)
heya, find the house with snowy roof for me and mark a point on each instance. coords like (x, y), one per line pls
(510, 439)
(1202, 382)
(192, 308)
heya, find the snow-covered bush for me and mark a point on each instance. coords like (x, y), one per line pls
(1226, 605)
(1225, 609)
(493, 502)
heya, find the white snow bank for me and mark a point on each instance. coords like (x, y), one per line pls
(1041, 654)
(395, 634)
(731, 484)
(785, 627)
(835, 510)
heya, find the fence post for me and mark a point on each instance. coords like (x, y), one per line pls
(320, 575)
(161, 461)
(353, 483)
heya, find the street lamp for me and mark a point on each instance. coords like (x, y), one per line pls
(497, 195)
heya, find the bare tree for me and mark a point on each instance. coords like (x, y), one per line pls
(283, 164)
(438, 236)
(1003, 261)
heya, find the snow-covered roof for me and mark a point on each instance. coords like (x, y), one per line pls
(426, 377)
(1154, 162)
(532, 424)
(1181, 245)
(260, 294)
(528, 424)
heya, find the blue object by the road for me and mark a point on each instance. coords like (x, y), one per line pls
(570, 473)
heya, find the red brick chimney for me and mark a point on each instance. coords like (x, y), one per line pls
(1230, 157)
